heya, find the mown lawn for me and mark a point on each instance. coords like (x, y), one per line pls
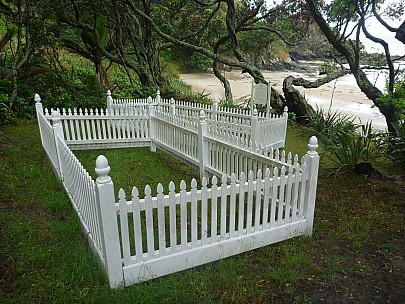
(356, 254)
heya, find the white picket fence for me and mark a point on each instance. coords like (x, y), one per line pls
(260, 128)
(138, 239)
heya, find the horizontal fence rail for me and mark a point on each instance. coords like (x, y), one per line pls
(138, 239)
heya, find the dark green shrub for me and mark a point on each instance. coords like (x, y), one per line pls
(349, 149)
(328, 125)
(394, 144)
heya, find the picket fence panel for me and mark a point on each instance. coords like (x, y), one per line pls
(80, 187)
(191, 221)
(267, 129)
(176, 135)
(48, 140)
(92, 129)
(226, 155)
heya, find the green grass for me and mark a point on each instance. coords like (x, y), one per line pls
(356, 254)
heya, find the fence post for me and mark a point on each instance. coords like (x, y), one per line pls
(202, 144)
(151, 114)
(214, 115)
(172, 109)
(312, 161)
(107, 215)
(285, 122)
(58, 132)
(109, 101)
(158, 98)
(39, 111)
(254, 128)
(38, 104)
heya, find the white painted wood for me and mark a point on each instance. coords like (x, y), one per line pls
(173, 216)
(124, 227)
(137, 225)
(183, 215)
(150, 235)
(214, 210)
(194, 213)
(161, 220)
(108, 221)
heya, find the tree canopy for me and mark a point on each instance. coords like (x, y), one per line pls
(141, 37)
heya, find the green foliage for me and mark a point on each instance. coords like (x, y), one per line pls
(347, 149)
(394, 144)
(327, 67)
(177, 89)
(374, 59)
(340, 10)
(396, 99)
(6, 115)
(327, 125)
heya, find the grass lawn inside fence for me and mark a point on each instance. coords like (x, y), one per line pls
(356, 254)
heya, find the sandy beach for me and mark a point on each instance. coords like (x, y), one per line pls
(342, 94)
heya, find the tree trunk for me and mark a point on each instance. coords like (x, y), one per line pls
(296, 102)
(224, 81)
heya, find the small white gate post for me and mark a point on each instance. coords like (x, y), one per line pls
(58, 132)
(202, 144)
(214, 115)
(312, 161)
(158, 98)
(172, 107)
(285, 122)
(109, 101)
(151, 114)
(39, 111)
(254, 128)
(107, 215)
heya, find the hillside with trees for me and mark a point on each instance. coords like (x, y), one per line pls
(72, 51)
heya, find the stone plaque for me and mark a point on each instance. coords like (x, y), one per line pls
(260, 94)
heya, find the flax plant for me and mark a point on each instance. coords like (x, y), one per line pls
(394, 144)
(349, 149)
(329, 124)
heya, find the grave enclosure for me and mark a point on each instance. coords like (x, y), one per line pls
(251, 194)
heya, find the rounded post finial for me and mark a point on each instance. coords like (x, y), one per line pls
(202, 116)
(55, 117)
(255, 112)
(285, 109)
(172, 101)
(312, 145)
(216, 100)
(37, 98)
(150, 100)
(102, 169)
(108, 93)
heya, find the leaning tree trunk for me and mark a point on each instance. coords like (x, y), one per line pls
(224, 81)
(295, 102)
